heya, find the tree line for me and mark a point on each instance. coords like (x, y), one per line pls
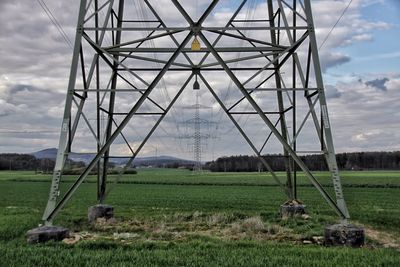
(26, 162)
(241, 163)
(346, 161)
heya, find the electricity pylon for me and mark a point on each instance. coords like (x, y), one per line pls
(277, 74)
(198, 136)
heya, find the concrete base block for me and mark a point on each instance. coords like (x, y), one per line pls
(100, 211)
(344, 235)
(45, 233)
(292, 209)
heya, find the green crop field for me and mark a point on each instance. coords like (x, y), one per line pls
(168, 217)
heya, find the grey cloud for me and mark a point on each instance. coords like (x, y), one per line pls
(330, 60)
(7, 109)
(360, 114)
(332, 92)
(21, 88)
(39, 71)
(378, 83)
(33, 97)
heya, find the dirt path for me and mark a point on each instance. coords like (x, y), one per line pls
(385, 239)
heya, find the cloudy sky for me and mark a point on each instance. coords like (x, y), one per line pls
(360, 62)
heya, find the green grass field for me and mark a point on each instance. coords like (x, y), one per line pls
(174, 218)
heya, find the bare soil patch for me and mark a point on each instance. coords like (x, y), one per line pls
(385, 239)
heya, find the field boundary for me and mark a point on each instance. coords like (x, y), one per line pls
(209, 184)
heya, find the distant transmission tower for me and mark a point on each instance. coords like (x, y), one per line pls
(124, 49)
(198, 136)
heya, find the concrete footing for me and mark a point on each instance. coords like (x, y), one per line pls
(46, 233)
(100, 211)
(291, 209)
(344, 235)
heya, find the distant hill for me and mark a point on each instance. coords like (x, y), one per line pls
(51, 153)
(160, 160)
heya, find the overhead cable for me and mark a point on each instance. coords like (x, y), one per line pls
(334, 26)
(55, 22)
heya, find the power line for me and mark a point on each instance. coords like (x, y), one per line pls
(55, 22)
(58, 25)
(26, 132)
(142, 14)
(334, 26)
(249, 15)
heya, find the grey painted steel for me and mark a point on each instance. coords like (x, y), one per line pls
(165, 26)
(275, 131)
(189, 50)
(273, 52)
(91, 72)
(282, 119)
(265, 28)
(90, 166)
(227, 24)
(56, 207)
(98, 113)
(199, 139)
(135, 153)
(332, 163)
(111, 105)
(253, 147)
(143, 39)
(294, 110)
(265, 118)
(55, 184)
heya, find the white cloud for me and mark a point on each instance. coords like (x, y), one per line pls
(351, 29)
(362, 37)
(366, 118)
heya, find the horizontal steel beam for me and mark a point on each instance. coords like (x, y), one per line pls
(139, 113)
(189, 50)
(94, 90)
(141, 21)
(250, 20)
(147, 38)
(311, 152)
(147, 29)
(53, 211)
(242, 37)
(190, 69)
(281, 89)
(228, 61)
(252, 112)
(151, 59)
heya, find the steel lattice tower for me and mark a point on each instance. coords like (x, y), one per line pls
(277, 75)
(199, 137)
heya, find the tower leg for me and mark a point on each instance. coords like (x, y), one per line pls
(329, 149)
(289, 180)
(343, 234)
(103, 180)
(64, 136)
